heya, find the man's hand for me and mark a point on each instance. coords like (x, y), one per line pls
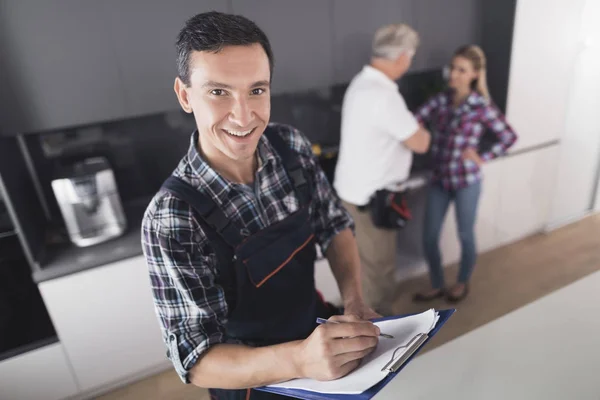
(361, 310)
(334, 350)
(471, 154)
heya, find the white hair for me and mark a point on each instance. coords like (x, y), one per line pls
(392, 40)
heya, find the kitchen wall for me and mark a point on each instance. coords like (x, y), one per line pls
(71, 62)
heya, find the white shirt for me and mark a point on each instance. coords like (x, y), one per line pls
(375, 122)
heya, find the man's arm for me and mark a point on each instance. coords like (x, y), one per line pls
(330, 352)
(394, 118)
(419, 141)
(231, 366)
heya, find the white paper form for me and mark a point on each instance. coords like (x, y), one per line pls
(369, 372)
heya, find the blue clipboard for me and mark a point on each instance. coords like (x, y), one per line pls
(304, 394)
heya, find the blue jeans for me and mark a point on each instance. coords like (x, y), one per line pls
(438, 200)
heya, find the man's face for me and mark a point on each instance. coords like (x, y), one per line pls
(230, 98)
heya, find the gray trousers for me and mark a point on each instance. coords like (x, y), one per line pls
(377, 250)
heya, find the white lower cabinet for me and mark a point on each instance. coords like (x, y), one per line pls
(41, 374)
(526, 192)
(105, 320)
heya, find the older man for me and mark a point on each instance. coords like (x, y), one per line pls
(378, 137)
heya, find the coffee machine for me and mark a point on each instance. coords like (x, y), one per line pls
(87, 195)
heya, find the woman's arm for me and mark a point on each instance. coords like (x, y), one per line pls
(493, 119)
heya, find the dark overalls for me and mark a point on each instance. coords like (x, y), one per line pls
(268, 278)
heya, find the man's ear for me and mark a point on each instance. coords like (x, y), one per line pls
(181, 90)
(403, 59)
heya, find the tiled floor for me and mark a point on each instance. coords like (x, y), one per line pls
(505, 279)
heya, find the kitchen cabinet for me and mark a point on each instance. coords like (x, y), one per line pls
(9, 101)
(105, 320)
(526, 190)
(325, 282)
(143, 36)
(497, 27)
(443, 26)
(579, 158)
(449, 243)
(546, 41)
(411, 261)
(354, 24)
(60, 62)
(42, 374)
(486, 227)
(300, 35)
(515, 202)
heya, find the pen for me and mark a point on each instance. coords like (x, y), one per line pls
(325, 321)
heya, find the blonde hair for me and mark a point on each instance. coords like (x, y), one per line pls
(474, 54)
(393, 39)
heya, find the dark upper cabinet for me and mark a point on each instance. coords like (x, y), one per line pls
(443, 26)
(10, 107)
(21, 201)
(355, 23)
(74, 62)
(143, 35)
(497, 32)
(300, 34)
(58, 57)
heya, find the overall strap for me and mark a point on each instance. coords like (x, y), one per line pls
(291, 163)
(206, 209)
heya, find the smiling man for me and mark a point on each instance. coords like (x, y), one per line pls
(230, 238)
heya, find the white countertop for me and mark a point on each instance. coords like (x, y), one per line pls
(549, 349)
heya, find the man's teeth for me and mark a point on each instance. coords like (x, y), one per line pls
(239, 133)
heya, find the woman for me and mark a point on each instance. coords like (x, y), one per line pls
(457, 119)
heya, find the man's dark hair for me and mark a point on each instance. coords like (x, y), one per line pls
(212, 31)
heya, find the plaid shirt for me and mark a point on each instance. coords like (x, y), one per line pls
(455, 129)
(181, 261)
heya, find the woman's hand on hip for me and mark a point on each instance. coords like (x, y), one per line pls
(470, 153)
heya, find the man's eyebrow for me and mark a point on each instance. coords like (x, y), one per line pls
(213, 84)
(260, 84)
